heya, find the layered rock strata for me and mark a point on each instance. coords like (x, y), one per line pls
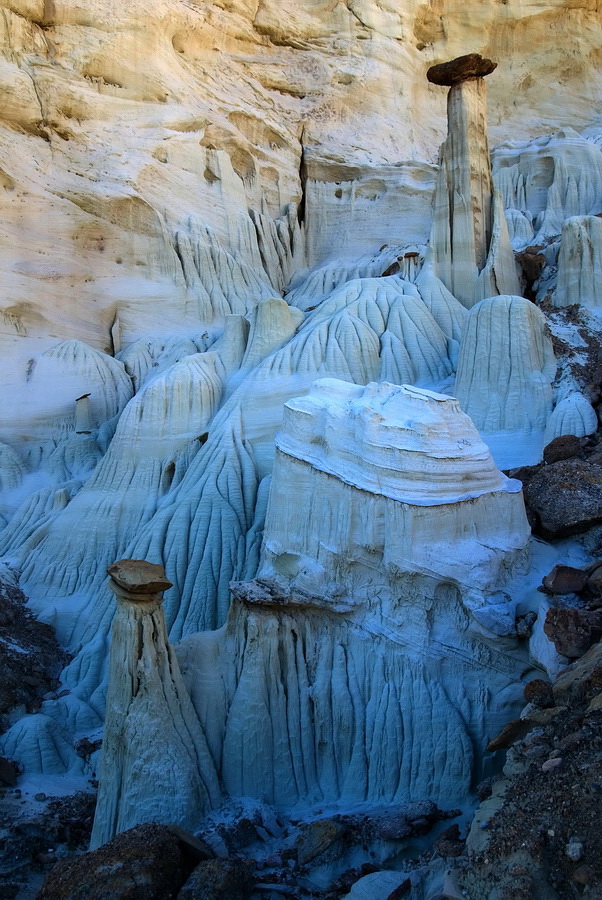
(361, 649)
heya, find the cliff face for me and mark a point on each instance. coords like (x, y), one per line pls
(134, 141)
(206, 207)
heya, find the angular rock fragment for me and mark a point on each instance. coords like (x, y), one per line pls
(566, 446)
(565, 498)
(573, 631)
(565, 580)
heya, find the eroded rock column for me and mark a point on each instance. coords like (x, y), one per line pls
(155, 766)
(469, 244)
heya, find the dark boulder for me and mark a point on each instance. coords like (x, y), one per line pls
(565, 580)
(218, 879)
(573, 631)
(565, 498)
(567, 446)
(473, 65)
(144, 863)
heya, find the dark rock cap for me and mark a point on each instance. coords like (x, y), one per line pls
(473, 65)
(139, 576)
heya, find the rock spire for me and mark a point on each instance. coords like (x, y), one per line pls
(155, 763)
(469, 242)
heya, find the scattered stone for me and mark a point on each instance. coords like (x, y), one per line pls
(594, 583)
(472, 65)
(378, 884)
(565, 580)
(565, 498)
(524, 473)
(524, 624)
(218, 879)
(574, 850)
(144, 862)
(567, 446)
(584, 874)
(197, 849)
(85, 747)
(41, 797)
(551, 764)
(572, 631)
(574, 682)
(449, 842)
(316, 837)
(510, 733)
(532, 261)
(30, 657)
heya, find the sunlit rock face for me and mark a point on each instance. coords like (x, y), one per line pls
(406, 445)
(134, 141)
(376, 618)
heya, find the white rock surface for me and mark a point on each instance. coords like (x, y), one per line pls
(580, 262)
(572, 415)
(363, 615)
(166, 169)
(469, 245)
(504, 378)
(149, 720)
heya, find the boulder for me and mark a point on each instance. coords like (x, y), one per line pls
(539, 693)
(472, 65)
(144, 863)
(573, 631)
(565, 498)
(567, 446)
(218, 879)
(580, 677)
(565, 580)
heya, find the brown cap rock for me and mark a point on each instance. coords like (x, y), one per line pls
(137, 576)
(473, 65)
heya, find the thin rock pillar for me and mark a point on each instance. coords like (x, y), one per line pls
(155, 765)
(469, 245)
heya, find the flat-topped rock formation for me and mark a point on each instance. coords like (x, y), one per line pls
(378, 604)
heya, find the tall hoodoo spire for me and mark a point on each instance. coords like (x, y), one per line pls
(155, 766)
(469, 243)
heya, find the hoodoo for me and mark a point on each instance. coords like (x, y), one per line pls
(155, 763)
(469, 242)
